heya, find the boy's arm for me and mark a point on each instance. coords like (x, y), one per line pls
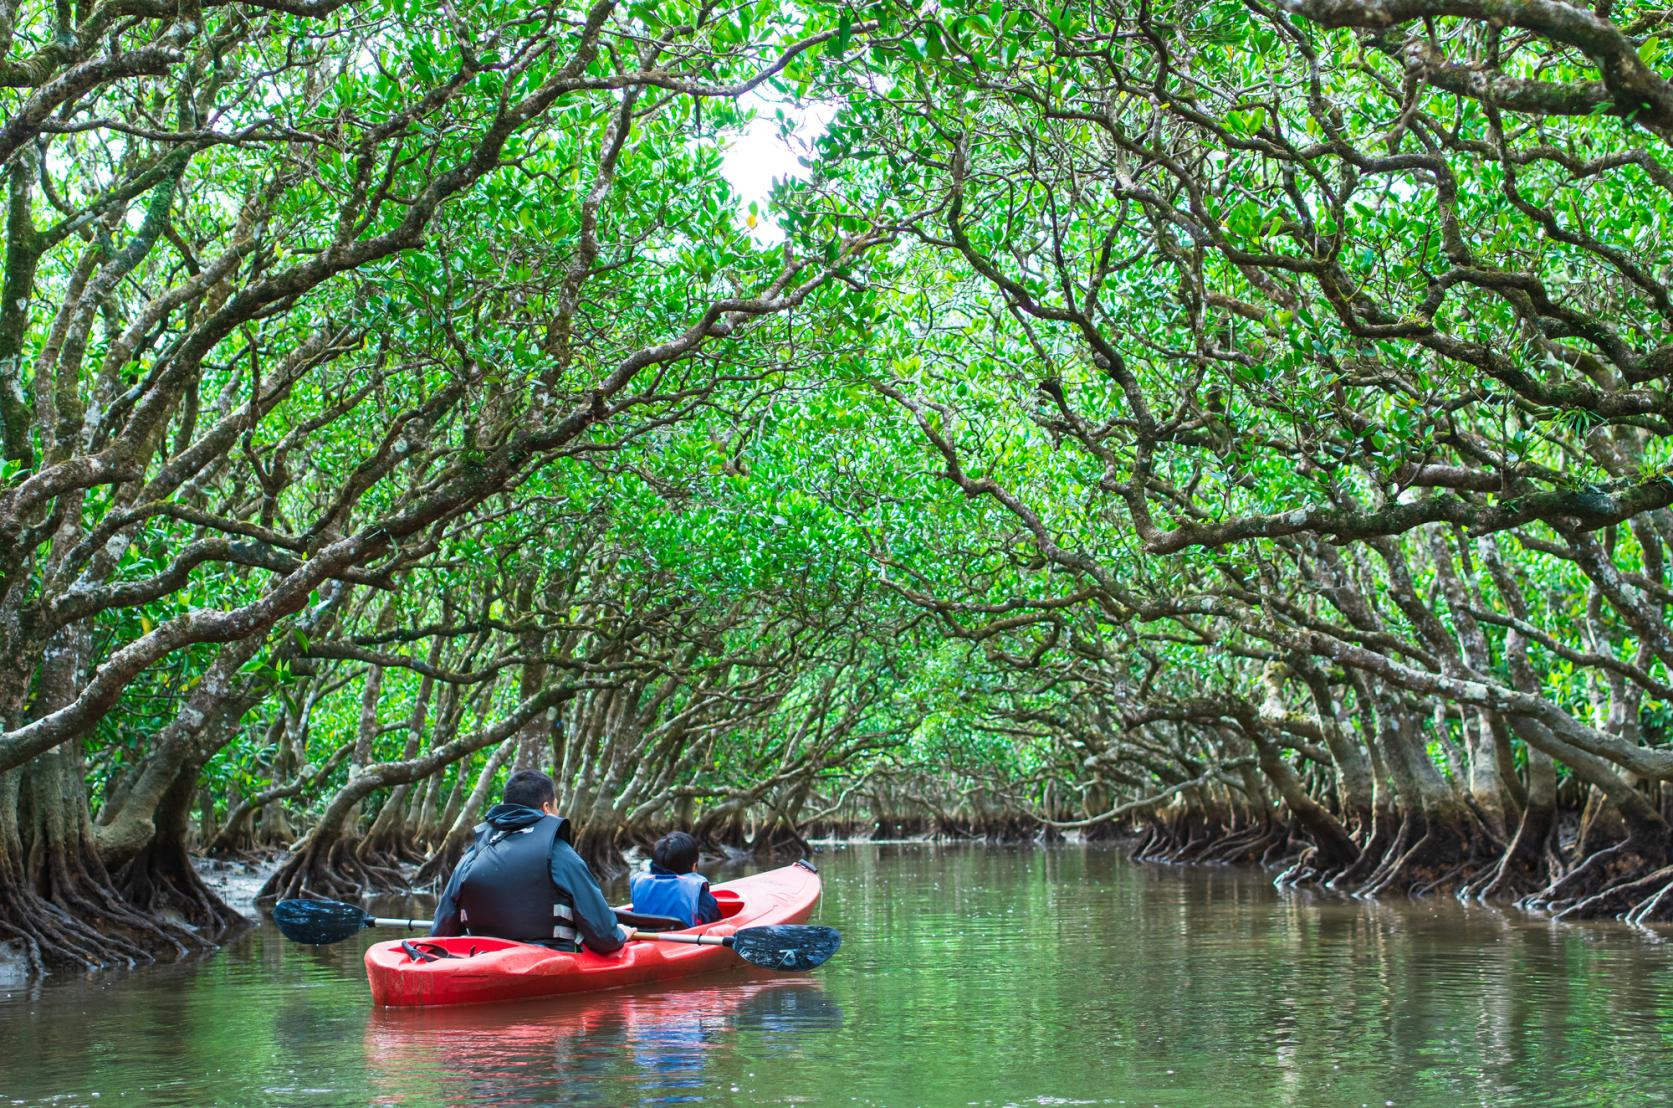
(593, 916)
(708, 908)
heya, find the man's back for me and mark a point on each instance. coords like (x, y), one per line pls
(523, 880)
(501, 889)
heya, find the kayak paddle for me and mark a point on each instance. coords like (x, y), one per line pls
(779, 946)
(320, 922)
(783, 946)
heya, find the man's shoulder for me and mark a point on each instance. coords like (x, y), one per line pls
(566, 858)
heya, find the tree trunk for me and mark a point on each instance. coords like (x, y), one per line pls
(161, 879)
(56, 899)
(452, 846)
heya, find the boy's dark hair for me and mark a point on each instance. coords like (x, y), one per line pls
(676, 851)
(530, 788)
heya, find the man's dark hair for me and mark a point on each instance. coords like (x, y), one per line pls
(676, 851)
(530, 788)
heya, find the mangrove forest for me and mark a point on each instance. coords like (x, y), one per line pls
(1237, 429)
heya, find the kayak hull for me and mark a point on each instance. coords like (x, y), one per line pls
(501, 970)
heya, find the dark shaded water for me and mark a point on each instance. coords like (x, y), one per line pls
(968, 976)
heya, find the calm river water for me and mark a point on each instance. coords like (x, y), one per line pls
(967, 976)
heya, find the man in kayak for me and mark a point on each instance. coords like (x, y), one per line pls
(673, 887)
(522, 879)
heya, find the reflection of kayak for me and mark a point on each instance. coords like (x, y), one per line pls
(752, 999)
(651, 1043)
(485, 969)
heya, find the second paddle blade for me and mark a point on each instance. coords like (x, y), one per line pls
(788, 946)
(318, 922)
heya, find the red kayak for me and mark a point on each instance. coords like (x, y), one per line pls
(485, 969)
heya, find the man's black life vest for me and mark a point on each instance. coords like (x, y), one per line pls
(508, 890)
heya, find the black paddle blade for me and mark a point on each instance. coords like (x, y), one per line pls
(786, 946)
(318, 922)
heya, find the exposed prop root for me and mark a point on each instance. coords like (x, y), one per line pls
(1627, 880)
(1657, 908)
(330, 870)
(1281, 847)
(1624, 899)
(1253, 844)
(1448, 854)
(1529, 863)
(900, 827)
(87, 926)
(435, 869)
(1224, 839)
(389, 860)
(779, 839)
(27, 944)
(1445, 880)
(1308, 869)
(389, 852)
(1597, 873)
(1631, 880)
(1300, 874)
(162, 881)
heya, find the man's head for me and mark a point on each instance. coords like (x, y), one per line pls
(532, 789)
(676, 851)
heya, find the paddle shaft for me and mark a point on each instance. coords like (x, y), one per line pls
(691, 940)
(415, 924)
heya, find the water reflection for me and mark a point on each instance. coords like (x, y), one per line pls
(967, 976)
(644, 1046)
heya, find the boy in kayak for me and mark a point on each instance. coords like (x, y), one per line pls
(673, 887)
(522, 879)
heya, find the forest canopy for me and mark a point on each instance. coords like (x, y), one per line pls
(1238, 427)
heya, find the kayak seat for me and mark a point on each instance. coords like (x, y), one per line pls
(641, 921)
(421, 951)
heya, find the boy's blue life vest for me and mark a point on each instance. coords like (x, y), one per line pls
(669, 894)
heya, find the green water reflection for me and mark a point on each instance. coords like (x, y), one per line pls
(967, 976)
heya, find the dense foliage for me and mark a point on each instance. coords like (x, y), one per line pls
(1240, 422)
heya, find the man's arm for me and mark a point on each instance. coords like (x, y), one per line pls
(593, 918)
(447, 920)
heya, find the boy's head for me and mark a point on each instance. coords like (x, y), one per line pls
(530, 788)
(676, 851)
